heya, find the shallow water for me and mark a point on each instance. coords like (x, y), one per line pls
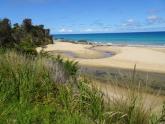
(136, 38)
(70, 54)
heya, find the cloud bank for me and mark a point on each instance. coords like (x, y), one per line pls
(152, 22)
(63, 30)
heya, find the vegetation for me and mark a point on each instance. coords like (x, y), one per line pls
(48, 90)
(24, 37)
(31, 93)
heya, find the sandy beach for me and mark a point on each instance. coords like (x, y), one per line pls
(150, 59)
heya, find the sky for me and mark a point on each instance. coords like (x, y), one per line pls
(88, 16)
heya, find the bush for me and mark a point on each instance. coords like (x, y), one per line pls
(26, 47)
(29, 94)
(25, 37)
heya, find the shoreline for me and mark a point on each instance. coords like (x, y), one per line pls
(149, 59)
(108, 44)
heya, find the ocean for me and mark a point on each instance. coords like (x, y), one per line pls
(135, 38)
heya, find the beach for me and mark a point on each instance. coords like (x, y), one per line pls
(149, 59)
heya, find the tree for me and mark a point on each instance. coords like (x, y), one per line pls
(5, 32)
(23, 37)
(16, 26)
(27, 25)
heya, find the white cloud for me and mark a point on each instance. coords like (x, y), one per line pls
(63, 30)
(153, 19)
(89, 30)
(130, 23)
(93, 30)
(130, 20)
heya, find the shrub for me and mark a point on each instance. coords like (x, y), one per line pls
(70, 67)
(23, 37)
(29, 94)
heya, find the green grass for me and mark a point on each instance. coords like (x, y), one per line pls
(39, 90)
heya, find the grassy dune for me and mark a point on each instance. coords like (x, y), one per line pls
(42, 90)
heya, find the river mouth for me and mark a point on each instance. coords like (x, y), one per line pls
(70, 54)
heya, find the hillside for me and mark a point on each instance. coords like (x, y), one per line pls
(37, 88)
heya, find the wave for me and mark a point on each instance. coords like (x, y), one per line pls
(118, 43)
(125, 44)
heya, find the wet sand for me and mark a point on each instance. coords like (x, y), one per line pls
(149, 59)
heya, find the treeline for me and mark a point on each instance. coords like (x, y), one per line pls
(24, 37)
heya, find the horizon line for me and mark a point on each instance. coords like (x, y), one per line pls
(108, 32)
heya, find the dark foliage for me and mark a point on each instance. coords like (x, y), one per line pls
(23, 37)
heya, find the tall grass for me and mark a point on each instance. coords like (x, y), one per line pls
(33, 91)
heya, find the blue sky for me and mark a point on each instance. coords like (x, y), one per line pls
(88, 16)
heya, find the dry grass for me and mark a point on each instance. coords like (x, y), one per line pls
(31, 94)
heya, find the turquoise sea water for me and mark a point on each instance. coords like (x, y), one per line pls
(140, 38)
